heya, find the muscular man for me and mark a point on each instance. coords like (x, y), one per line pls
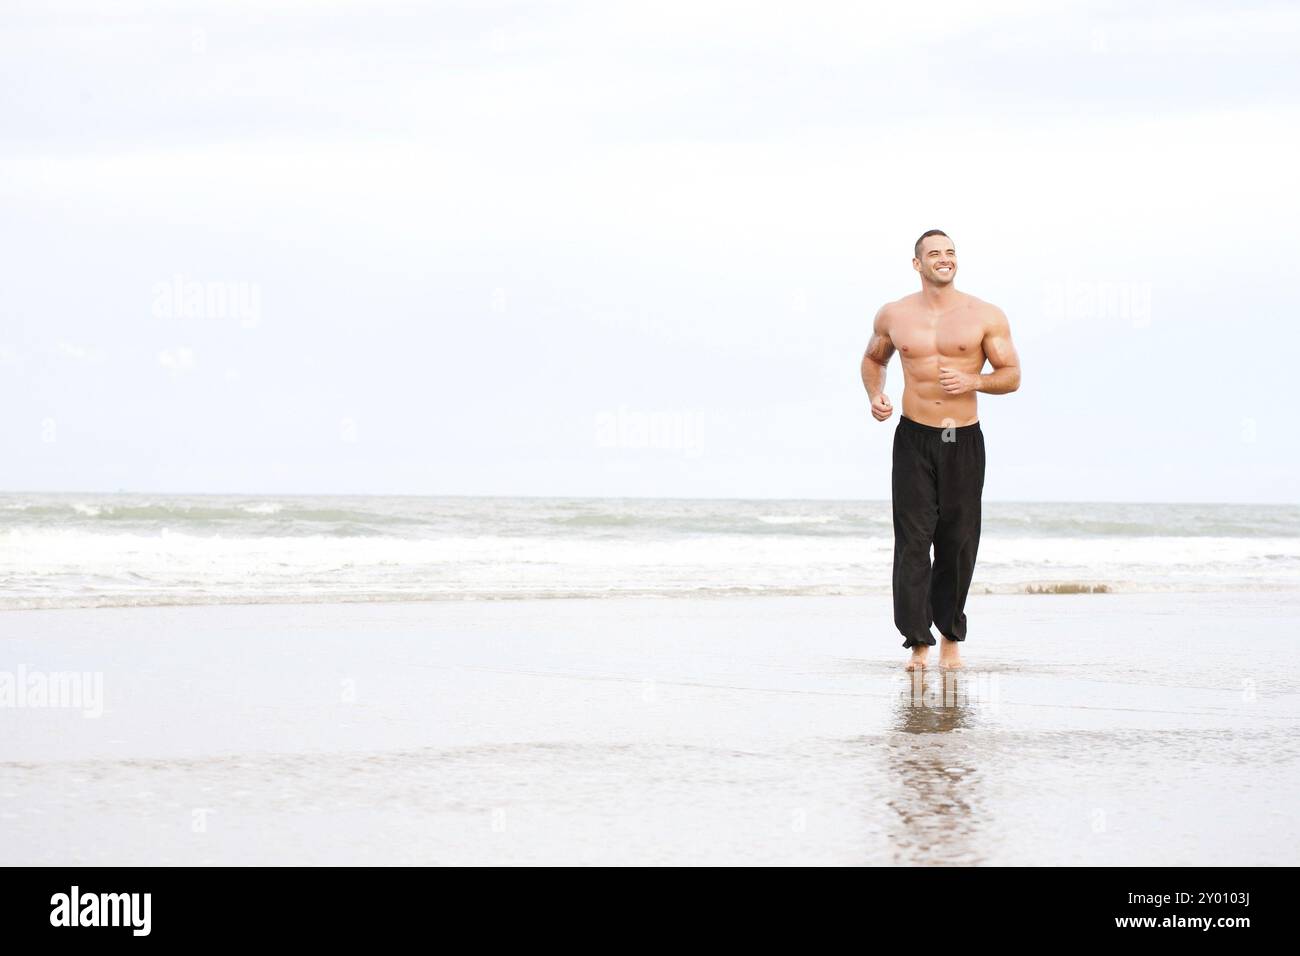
(943, 338)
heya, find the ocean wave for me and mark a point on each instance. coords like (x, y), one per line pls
(416, 596)
(298, 515)
(253, 518)
(152, 548)
(797, 519)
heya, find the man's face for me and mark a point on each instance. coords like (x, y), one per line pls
(938, 262)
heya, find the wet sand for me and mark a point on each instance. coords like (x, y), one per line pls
(1142, 729)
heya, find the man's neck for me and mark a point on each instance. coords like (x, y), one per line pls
(939, 297)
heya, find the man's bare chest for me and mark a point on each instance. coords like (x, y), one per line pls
(954, 336)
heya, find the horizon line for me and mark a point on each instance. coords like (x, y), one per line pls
(571, 497)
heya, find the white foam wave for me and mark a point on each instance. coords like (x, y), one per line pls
(70, 565)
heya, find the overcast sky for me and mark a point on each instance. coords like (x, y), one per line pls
(635, 249)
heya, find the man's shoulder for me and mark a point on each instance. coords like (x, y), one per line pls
(901, 306)
(986, 310)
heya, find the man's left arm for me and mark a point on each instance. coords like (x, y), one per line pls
(1001, 353)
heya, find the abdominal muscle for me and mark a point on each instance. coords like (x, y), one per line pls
(925, 401)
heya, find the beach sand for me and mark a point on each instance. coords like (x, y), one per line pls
(1136, 729)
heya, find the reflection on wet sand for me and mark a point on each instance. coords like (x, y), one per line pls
(937, 818)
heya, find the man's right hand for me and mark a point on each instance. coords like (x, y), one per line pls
(880, 407)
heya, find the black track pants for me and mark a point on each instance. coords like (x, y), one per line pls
(938, 482)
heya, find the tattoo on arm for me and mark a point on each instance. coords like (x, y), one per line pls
(880, 349)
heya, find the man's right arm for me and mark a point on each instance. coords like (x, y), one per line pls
(880, 349)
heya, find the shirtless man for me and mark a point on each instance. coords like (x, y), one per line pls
(944, 338)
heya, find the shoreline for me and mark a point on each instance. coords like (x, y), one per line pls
(1047, 589)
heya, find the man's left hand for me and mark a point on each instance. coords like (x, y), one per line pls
(957, 383)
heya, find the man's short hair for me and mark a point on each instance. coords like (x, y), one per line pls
(926, 235)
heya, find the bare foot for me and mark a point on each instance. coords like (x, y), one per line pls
(917, 661)
(949, 655)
